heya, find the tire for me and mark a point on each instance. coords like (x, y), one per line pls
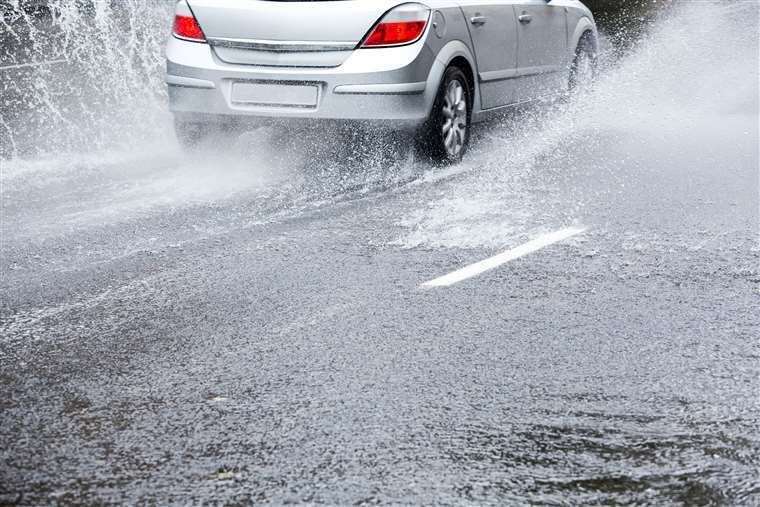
(445, 136)
(195, 135)
(584, 67)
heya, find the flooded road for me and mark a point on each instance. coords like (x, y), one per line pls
(251, 326)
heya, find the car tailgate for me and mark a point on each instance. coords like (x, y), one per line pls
(319, 33)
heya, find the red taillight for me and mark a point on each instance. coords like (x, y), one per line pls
(393, 34)
(187, 27)
(403, 25)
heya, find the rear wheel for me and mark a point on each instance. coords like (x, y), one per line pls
(445, 136)
(583, 69)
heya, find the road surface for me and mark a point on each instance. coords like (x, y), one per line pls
(254, 325)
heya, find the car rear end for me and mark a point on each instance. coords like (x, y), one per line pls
(324, 59)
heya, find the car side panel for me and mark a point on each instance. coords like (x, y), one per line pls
(495, 45)
(542, 57)
(579, 21)
(450, 39)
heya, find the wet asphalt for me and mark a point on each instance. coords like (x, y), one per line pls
(248, 326)
(175, 356)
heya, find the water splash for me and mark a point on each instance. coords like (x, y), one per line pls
(84, 75)
(693, 77)
(108, 102)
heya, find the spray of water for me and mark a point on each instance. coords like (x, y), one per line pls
(101, 116)
(82, 76)
(693, 79)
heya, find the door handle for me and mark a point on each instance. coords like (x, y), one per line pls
(478, 20)
(525, 18)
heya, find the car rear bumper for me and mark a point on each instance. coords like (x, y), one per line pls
(393, 85)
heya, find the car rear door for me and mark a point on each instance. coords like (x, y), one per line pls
(317, 33)
(542, 57)
(494, 35)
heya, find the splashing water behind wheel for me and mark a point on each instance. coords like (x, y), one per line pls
(82, 75)
(692, 80)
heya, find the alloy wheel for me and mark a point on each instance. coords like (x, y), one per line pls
(455, 113)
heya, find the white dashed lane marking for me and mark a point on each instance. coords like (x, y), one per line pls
(501, 259)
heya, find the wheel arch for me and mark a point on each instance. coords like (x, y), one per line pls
(462, 63)
(583, 27)
(456, 53)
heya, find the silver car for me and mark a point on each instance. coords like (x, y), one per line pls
(433, 67)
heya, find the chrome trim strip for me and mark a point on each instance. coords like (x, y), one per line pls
(500, 75)
(283, 46)
(189, 82)
(382, 89)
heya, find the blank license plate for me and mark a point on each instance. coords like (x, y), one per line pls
(280, 95)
